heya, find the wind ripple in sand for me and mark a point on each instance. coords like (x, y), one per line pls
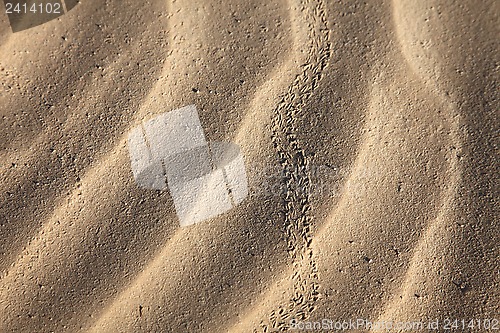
(400, 94)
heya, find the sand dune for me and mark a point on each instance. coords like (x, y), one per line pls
(370, 137)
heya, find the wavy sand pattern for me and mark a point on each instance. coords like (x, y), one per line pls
(370, 136)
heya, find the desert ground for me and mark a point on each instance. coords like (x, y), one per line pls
(369, 131)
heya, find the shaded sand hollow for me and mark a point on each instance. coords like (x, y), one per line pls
(370, 137)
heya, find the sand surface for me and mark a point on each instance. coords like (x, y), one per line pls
(370, 137)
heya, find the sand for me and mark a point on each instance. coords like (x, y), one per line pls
(370, 137)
